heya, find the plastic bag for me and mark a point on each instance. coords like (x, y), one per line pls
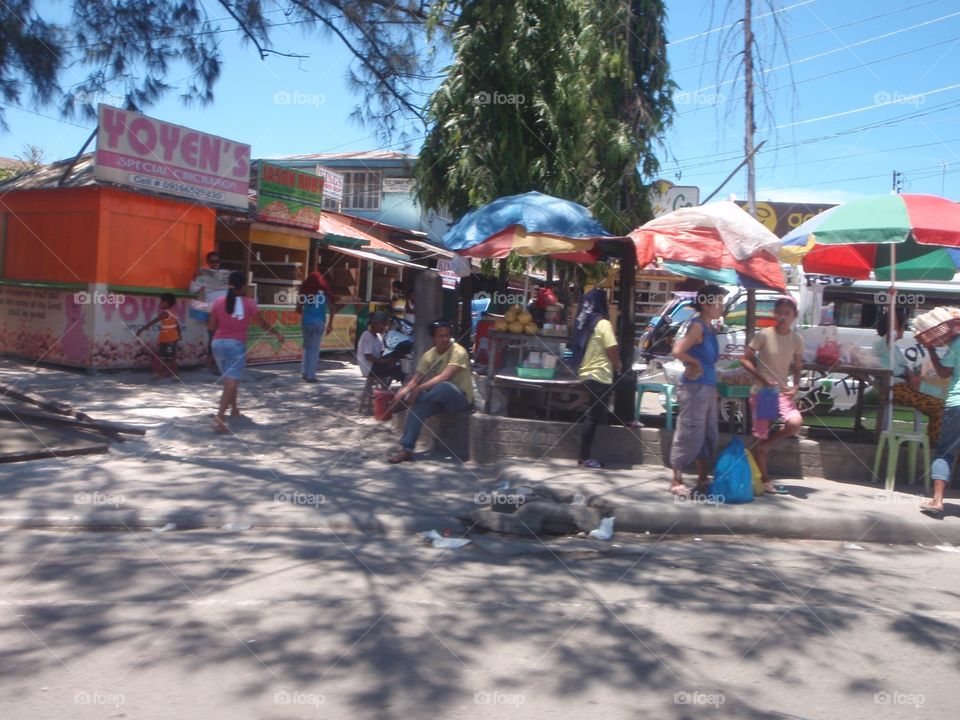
(828, 353)
(768, 404)
(755, 478)
(732, 481)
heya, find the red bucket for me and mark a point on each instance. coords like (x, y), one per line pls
(382, 402)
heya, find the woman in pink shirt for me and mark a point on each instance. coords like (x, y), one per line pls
(230, 317)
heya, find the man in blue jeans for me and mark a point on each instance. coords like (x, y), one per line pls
(947, 446)
(442, 384)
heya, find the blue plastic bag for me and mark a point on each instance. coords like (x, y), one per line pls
(768, 404)
(732, 482)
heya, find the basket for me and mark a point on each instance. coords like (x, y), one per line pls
(940, 335)
(536, 373)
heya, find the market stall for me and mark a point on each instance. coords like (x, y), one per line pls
(83, 266)
(90, 243)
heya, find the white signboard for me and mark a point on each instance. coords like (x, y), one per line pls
(665, 197)
(332, 183)
(142, 152)
(398, 185)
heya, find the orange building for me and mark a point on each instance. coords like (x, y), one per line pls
(82, 265)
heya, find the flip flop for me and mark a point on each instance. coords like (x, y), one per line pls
(775, 490)
(932, 512)
(220, 426)
(680, 491)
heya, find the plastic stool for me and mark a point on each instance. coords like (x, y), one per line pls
(666, 389)
(892, 440)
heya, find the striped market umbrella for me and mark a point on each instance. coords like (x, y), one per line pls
(910, 237)
(530, 224)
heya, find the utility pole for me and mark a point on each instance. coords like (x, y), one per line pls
(897, 181)
(748, 98)
(748, 148)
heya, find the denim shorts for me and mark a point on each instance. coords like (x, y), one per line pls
(231, 357)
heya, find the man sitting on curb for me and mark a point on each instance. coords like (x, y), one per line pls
(441, 384)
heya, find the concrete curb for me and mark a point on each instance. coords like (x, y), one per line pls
(186, 519)
(743, 520)
(852, 514)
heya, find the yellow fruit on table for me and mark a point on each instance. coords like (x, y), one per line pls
(530, 329)
(525, 317)
(516, 327)
(500, 325)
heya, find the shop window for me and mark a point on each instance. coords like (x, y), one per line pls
(362, 190)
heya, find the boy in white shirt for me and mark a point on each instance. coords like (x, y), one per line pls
(370, 351)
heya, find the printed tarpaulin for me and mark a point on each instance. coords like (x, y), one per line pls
(717, 242)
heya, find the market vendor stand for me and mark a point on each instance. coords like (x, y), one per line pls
(89, 244)
(286, 235)
(82, 266)
(880, 377)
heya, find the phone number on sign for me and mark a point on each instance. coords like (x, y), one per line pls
(176, 187)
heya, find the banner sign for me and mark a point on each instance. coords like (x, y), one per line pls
(398, 185)
(149, 154)
(332, 183)
(782, 217)
(289, 196)
(665, 197)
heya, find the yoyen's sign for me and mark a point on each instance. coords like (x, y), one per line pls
(146, 153)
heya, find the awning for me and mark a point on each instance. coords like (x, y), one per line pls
(373, 257)
(338, 233)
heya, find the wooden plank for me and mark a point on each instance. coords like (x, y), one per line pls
(102, 426)
(49, 453)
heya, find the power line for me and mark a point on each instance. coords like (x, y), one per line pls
(812, 34)
(713, 158)
(826, 75)
(893, 101)
(886, 174)
(835, 50)
(48, 117)
(733, 24)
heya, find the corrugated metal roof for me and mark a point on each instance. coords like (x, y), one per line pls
(332, 225)
(363, 155)
(47, 177)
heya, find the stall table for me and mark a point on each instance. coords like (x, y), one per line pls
(879, 376)
(508, 378)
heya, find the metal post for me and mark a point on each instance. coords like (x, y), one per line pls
(428, 307)
(625, 392)
(748, 150)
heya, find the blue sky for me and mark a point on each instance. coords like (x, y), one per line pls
(859, 90)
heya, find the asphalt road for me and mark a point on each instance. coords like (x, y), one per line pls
(276, 625)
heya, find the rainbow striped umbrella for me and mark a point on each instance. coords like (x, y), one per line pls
(530, 224)
(910, 237)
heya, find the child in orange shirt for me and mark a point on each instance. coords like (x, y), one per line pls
(165, 361)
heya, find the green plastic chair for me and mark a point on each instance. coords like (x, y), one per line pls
(891, 440)
(666, 389)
